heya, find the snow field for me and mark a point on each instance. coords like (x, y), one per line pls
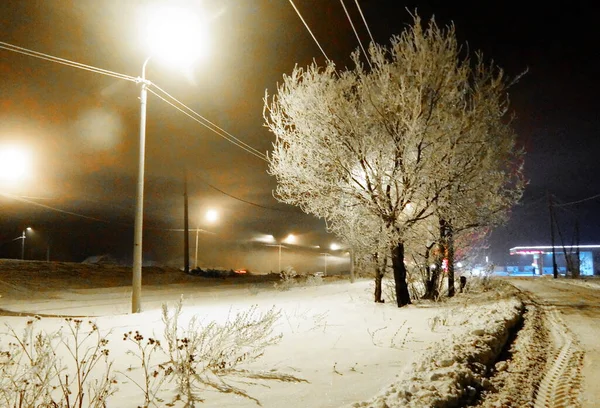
(346, 347)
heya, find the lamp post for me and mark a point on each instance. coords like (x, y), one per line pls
(136, 295)
(23, 236)
(171, 33)
(290, 239)
(211, 217)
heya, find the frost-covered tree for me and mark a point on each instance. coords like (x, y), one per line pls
(379, 143)
(482, 168)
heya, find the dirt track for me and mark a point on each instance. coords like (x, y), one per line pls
(572, 314)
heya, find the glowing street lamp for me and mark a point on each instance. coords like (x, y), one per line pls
(172, 34)
(15, 164)
(212, 216)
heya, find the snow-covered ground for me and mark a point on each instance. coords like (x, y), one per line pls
(346, 347)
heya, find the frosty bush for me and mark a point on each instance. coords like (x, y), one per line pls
(314, 280)
(31, 374)
(288, 279)
(483, 282)
(211, 355)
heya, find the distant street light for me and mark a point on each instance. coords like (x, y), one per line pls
(211, 216)
(172, 34)
(290, 239)
(23, 236)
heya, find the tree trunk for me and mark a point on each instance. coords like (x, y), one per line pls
(450, 243)
(378, 278)
(433, 283)
(402, 295)
(379, 271)
(352, 272)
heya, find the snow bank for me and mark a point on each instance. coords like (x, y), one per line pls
(454, 369)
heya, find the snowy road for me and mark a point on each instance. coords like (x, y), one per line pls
(575, 305)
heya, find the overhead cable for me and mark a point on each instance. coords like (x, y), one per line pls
(308, 28)
(578, 201)
(356, 34)
(63, 61)
(14, 197)
(193, 115)
(364, 20)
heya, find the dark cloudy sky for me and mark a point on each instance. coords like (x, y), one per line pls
(83, 127)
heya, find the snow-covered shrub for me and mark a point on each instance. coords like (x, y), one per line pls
(212, 354)
(288, 279)
(483, 282)
(153, 375)
(313, 280)
(31, 374)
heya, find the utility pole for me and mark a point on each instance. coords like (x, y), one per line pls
(551, 210)
(23, 236)
(577, 251)
(279, 271)
(196, 257)
(186, 231)
(352, 259)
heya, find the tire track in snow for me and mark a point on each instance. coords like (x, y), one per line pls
(561, 384)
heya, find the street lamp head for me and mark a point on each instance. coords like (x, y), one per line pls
(290, 239)
(29, 229)
(175, 35)
(212, 216)
(334, 247)
(15, 164)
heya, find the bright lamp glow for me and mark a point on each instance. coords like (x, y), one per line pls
(175, 35)
(334, 247)
(15, 164)
(290, 239)
(212, 215)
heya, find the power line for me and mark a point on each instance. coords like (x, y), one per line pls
(308, 28)
(249, 202)
(224, 134)
(208, 121)
(578, 201)
(364, 20)
(63, 61)
(14, 197)
(356, 34)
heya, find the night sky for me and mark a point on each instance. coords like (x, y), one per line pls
(82, 127)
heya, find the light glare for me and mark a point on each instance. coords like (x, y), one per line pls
(175, 35)
(212, 215)
(15, 164)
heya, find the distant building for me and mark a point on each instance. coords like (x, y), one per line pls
(538, 259)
